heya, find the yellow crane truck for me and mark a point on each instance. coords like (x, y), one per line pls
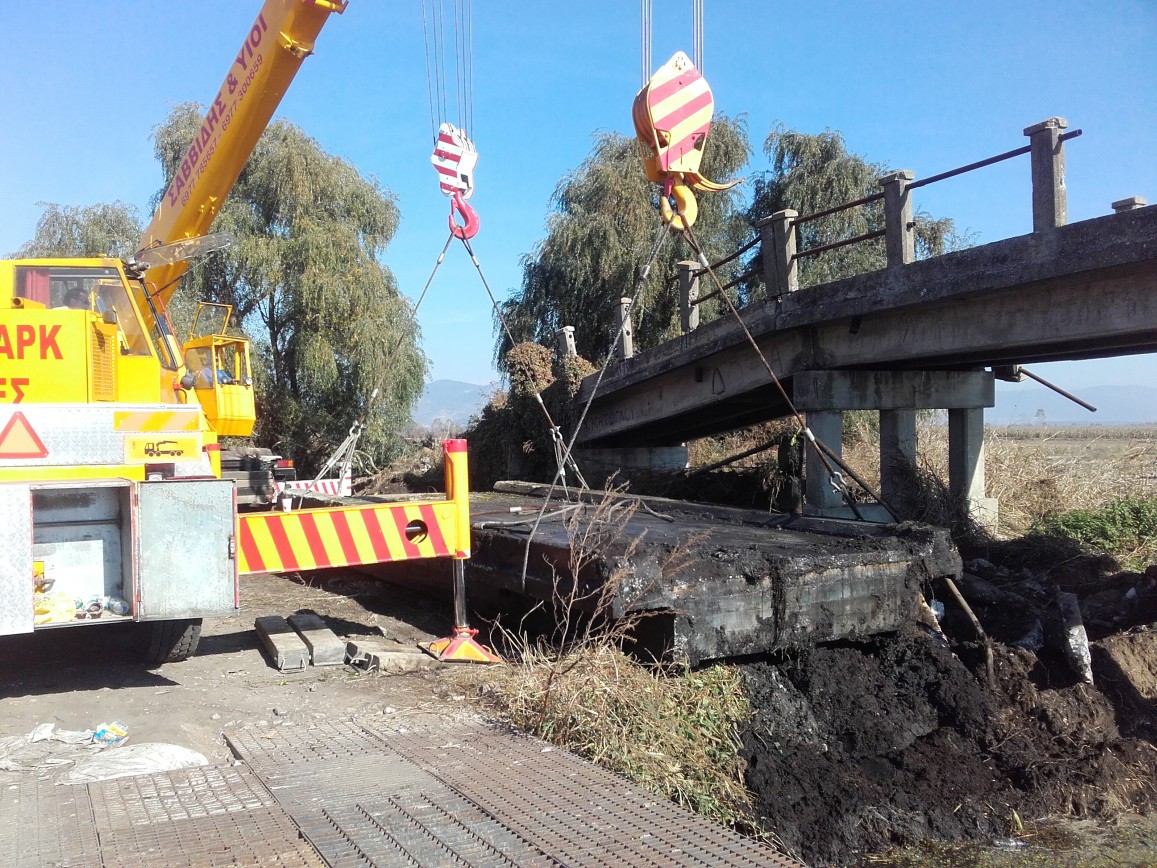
(112, 505)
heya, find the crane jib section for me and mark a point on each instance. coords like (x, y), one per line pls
(281, 37)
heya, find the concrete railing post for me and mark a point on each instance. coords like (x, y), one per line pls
(1130, 204)
(626, 344)
(780, 271)
(766, 228)
(688, 296)
(1050, 207)
(565, 338)
(899, 227)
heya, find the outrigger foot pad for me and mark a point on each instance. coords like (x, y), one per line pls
(460, 648)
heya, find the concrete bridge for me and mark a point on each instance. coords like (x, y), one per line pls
(918, 334)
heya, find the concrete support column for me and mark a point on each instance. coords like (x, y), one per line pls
(898, 395)
(688, 296)
(780, 271)
(1049, 199)
(565, 342)
(898, 444)
(827, 426)
(626, 344)
(966, 463)
(1130, 204)
(899, 227)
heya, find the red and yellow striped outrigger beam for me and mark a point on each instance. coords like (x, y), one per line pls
(312, 539)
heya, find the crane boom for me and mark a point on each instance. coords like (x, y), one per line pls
(281, 37)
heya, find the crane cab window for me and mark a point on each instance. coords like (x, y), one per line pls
(100, 290)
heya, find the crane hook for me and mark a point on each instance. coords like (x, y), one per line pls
(470, 222)
(677, 205)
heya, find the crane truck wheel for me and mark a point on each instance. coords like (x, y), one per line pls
(170, 641)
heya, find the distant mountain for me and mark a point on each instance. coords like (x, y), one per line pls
(1033, 404)
(450, 399)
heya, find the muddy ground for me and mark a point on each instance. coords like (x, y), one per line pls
(860, 747)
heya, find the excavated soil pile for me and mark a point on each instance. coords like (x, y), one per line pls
(861, 746)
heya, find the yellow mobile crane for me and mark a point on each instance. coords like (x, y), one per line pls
(112, 505)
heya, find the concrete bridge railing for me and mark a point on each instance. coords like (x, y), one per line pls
(914, 335)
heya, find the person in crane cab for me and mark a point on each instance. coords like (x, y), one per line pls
(200, 364)
(76, 299)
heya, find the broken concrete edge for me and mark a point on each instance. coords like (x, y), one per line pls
(729, 514)
(733, 608)
(373, 653)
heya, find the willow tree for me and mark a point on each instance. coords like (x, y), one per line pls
(602, 225)
(307, 284)
(813, 172)
(88, 230)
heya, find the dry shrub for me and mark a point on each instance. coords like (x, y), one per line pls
(673, 731)
(675, 734)
(512, 431)
(1045, 471)
(709, 450)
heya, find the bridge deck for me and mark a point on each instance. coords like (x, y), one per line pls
(1086, 290)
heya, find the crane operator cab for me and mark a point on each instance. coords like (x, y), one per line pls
(218, 371)
(72, 334)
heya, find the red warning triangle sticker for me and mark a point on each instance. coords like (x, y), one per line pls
(18, 440)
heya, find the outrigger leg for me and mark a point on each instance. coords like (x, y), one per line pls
(461, 647)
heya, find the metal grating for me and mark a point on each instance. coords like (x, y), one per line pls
(42, 824)
(275, 747)
(205, 816)
(342, 795)
(362, 805)
(327, 782)
(103, 367)
(264, 837)
(429, 828)
(472, 794)
(188, 794)
(578, 812)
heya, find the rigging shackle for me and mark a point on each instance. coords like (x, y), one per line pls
(470, 222)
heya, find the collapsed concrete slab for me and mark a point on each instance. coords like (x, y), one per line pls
(712, 582)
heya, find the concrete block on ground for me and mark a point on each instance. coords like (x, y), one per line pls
(325, 648)
(387, 656)
(286, 650)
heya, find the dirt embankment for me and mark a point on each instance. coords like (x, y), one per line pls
(859, 747)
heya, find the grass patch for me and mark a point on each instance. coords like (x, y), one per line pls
(675, 734)
(1126, 529)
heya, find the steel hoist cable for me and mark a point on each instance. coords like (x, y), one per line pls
(568, 448)
(454, 156)
(825, 454)
(563, 457)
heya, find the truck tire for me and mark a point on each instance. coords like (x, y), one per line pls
(170, 641)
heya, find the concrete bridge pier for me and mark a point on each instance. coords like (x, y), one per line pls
(825, 395)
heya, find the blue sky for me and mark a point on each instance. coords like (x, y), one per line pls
(926, 86)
